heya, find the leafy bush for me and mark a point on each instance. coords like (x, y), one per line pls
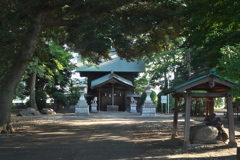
(41, 99)
(14, 106)
(27, 104)
(59, 99)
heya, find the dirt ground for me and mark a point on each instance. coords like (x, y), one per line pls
(152, 136)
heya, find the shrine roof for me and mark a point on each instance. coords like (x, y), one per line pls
(209, 82)
(110, 78)
(116, 65)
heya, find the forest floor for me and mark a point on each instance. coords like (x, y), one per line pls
(106, 135)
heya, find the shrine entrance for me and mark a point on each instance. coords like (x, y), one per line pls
(112, 91)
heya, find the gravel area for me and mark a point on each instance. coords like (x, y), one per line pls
(152, 135)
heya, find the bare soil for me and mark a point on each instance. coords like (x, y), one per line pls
(151, 135)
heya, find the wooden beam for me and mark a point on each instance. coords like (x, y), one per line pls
(206, 95)
(206, 87)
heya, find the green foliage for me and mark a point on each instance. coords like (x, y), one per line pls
(41, 99)
(198, 106)
(14, 106)
(159, 104)
(74, 96)
(209, 27)
(21, 91)
(236, 102)
(219, 102)
(139, 83)
(212, 24)
(169, 61)
(53, 69)
(27, 103)
(153, 97)
(59, 98)
(88, 27)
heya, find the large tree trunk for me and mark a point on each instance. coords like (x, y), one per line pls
(10, 81)
(33, 103)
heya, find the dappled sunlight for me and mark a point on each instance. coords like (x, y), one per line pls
(198, 154)
(108, 137)
(127, 136)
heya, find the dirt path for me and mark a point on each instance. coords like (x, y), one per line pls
(103, 136)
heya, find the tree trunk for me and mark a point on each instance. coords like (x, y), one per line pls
(10, 81)
(189, 65)
(33, 103)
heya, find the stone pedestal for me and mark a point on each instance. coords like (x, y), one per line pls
(82, 107)
(133, 108)
(148, 108)
(133, 105)
(94, 105)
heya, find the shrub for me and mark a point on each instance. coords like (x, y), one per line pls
(59, 99)
(27, 104)
(41, 99)
(14, 106)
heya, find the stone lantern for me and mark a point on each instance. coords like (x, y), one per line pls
(82, 107)
(148, 108)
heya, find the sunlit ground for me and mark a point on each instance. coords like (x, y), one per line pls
(126, 135)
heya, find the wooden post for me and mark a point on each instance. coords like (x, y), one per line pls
(211, 106)
(231, 128)
(99, 99)
(112, 95)
(238, 152)
(187, 119)
(175, 118)
(206, 117)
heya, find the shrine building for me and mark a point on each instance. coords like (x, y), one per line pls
(112, 82)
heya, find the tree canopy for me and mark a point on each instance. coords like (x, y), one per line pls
(210, 26)
(90, 27)
(210, 36)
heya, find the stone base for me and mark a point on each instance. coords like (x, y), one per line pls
(149, 111)
(133, 110)
(94, 109)
(72, 109)
(82, 111)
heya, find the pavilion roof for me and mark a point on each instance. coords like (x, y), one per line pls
(211, 82)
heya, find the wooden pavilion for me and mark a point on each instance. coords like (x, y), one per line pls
(214, 86)
(112, 82)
